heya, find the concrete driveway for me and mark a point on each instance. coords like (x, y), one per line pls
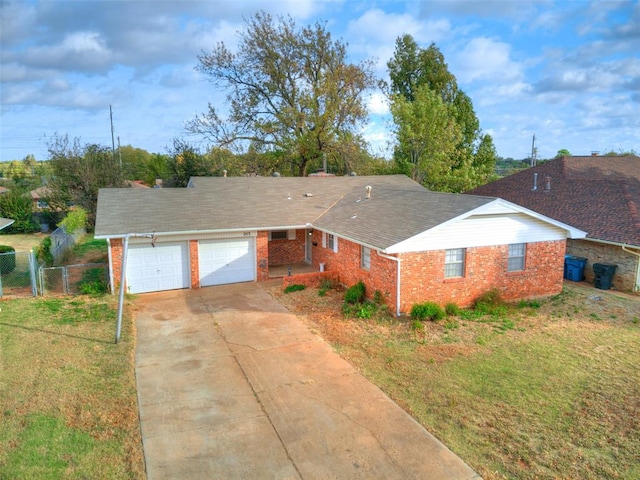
(233, 386)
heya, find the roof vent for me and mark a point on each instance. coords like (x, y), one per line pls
(595, 153)
(275, 174)
(224, 173)
(308, 194)
(547, 184)
(353, 174)
(535, 182)
(368, 190)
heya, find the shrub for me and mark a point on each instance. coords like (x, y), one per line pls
(355, 293)
(296, 287)
(490, 303)
(378, 298)
(326, 284)
(452, 309)
(7, 259)
(427, 311)
(93, 282)
(74, 220)
(43, 252)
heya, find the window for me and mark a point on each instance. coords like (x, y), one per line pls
(332, 242)
(454, 262)
(515, 261)
(365, 257)
(278, 235)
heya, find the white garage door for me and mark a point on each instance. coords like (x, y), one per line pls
(153, 269)
(226, 261)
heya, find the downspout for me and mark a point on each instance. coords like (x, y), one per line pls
(637, 282)
(112, 285)
(397, 260)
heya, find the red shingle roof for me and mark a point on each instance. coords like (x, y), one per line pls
(600, 195)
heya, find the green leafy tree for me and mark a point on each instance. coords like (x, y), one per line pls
(78, 172)
(187, 161)
(563, 152)
(134, 162)
(18, 207)
(291, 90)
(471, 162)
(427, 135)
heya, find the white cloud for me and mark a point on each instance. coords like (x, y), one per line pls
(378, 104)
(485, 59)
(374, 33)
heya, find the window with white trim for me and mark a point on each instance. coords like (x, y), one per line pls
(365, 257)
(454, 262)
(515, 260)
(332, 242)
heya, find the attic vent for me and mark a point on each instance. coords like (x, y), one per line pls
(353, 174)
(547, 184)
(308, 194)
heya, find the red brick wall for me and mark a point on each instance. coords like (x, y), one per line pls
(116, 260)
(312, 279)
(485, 269)
(381, 275)
(262, 256)
(194, 264)
(282, 252)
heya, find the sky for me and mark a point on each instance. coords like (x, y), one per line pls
(567, 72)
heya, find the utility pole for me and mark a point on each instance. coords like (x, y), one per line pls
(113, 141)
(533, 151)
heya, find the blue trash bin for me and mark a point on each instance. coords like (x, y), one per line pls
(574, 268)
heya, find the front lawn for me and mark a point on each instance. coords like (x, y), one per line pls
(544, 390)
(67, 392)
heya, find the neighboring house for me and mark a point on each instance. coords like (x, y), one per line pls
(408, 243)
(597, 194)
(5, 222)
(39, 197)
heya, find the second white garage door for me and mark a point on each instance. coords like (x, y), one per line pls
(226, 261)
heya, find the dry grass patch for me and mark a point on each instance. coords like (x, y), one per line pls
(546, 389)
(68, 407)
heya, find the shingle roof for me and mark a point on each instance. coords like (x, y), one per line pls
(398, 208)
(597, 194)
(5, 222)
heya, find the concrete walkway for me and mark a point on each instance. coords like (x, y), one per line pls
(233, 386)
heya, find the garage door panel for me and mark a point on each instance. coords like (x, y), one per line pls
(153, 269)
(226, 261)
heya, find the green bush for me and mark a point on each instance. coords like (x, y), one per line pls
(93, 282)
(452, 309)
(355, 294)
(427, 311)
(490, 303)
(43, 252)
(7, 259)
(75, 219)
(296, 287)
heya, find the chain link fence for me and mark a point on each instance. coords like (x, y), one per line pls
(18, 274)
(74, 279)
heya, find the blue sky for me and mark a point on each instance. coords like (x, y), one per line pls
(568, 71)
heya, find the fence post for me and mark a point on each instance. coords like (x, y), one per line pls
(32, 272)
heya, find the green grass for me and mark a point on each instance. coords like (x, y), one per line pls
(539, 390)
(71, 412)
(90, 245)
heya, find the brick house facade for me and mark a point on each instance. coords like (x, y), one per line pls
(348, 228)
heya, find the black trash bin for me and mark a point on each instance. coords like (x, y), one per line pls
(603, 275)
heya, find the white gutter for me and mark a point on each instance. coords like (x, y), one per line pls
(397, 260)
(201, 232)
